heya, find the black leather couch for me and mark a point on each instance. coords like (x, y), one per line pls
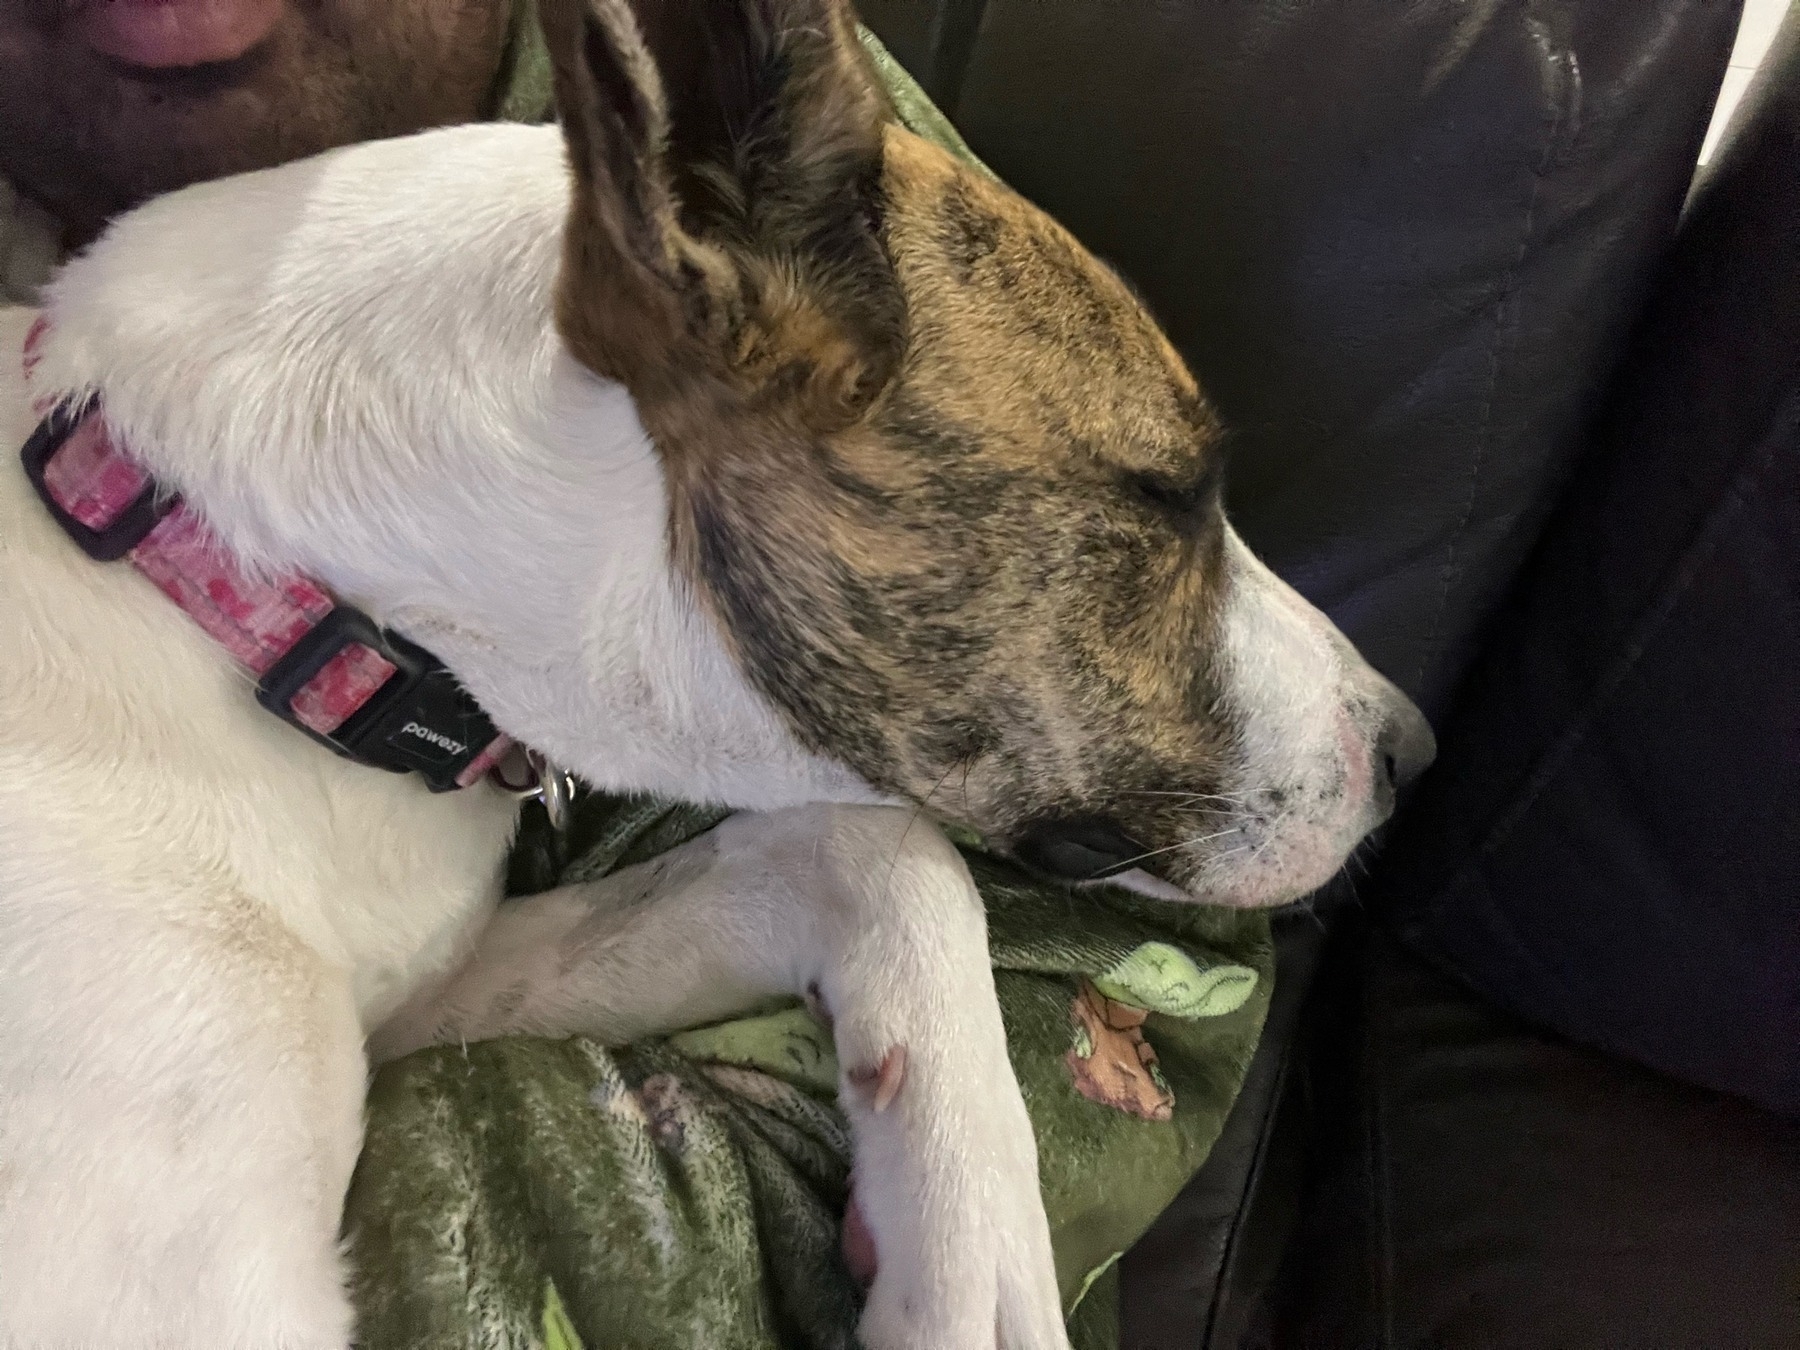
(1532, 436)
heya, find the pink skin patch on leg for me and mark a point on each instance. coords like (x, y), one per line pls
(885, 1078)
(883, 1081)
(858, 1243)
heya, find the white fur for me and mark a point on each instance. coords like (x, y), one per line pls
(200, 913)
(347, 366)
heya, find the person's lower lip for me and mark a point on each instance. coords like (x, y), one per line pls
(160, 34)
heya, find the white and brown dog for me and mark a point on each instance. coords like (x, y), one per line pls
(769, 458)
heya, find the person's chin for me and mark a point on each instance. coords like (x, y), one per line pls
(172, 36)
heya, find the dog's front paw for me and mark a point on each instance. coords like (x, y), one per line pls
(947, 1213)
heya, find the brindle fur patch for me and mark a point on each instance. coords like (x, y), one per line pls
(948, 489)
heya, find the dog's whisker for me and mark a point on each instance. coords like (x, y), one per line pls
(917, 811)
(1235, 798)
(1215, 804)
(1184, 843)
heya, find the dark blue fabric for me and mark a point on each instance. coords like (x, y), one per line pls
(1610, 842)
(1477, 1185)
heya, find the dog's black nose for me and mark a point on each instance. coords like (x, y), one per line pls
(1403, 750)
(1077, 848)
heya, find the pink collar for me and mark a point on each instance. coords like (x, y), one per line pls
(325, 668)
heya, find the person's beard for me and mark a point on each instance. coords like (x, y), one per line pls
(88, 139)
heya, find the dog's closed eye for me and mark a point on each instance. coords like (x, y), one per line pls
(1184, 498)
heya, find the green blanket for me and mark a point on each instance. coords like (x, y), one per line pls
(687, 1192)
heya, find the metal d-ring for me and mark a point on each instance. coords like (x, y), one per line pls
(544, 782)
(555, 789)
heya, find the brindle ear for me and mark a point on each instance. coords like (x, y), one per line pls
(726, 223)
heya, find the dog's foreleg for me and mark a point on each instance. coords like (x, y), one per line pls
(870, 912)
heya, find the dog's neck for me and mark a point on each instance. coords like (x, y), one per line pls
(348, 366)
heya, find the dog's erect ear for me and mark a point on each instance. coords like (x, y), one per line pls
(726, 223)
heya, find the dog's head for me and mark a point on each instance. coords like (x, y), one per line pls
(950, 495)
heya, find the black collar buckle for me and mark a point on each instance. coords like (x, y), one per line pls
(420, 721)
(110, 542)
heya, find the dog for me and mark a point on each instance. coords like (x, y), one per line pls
(729, 443)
